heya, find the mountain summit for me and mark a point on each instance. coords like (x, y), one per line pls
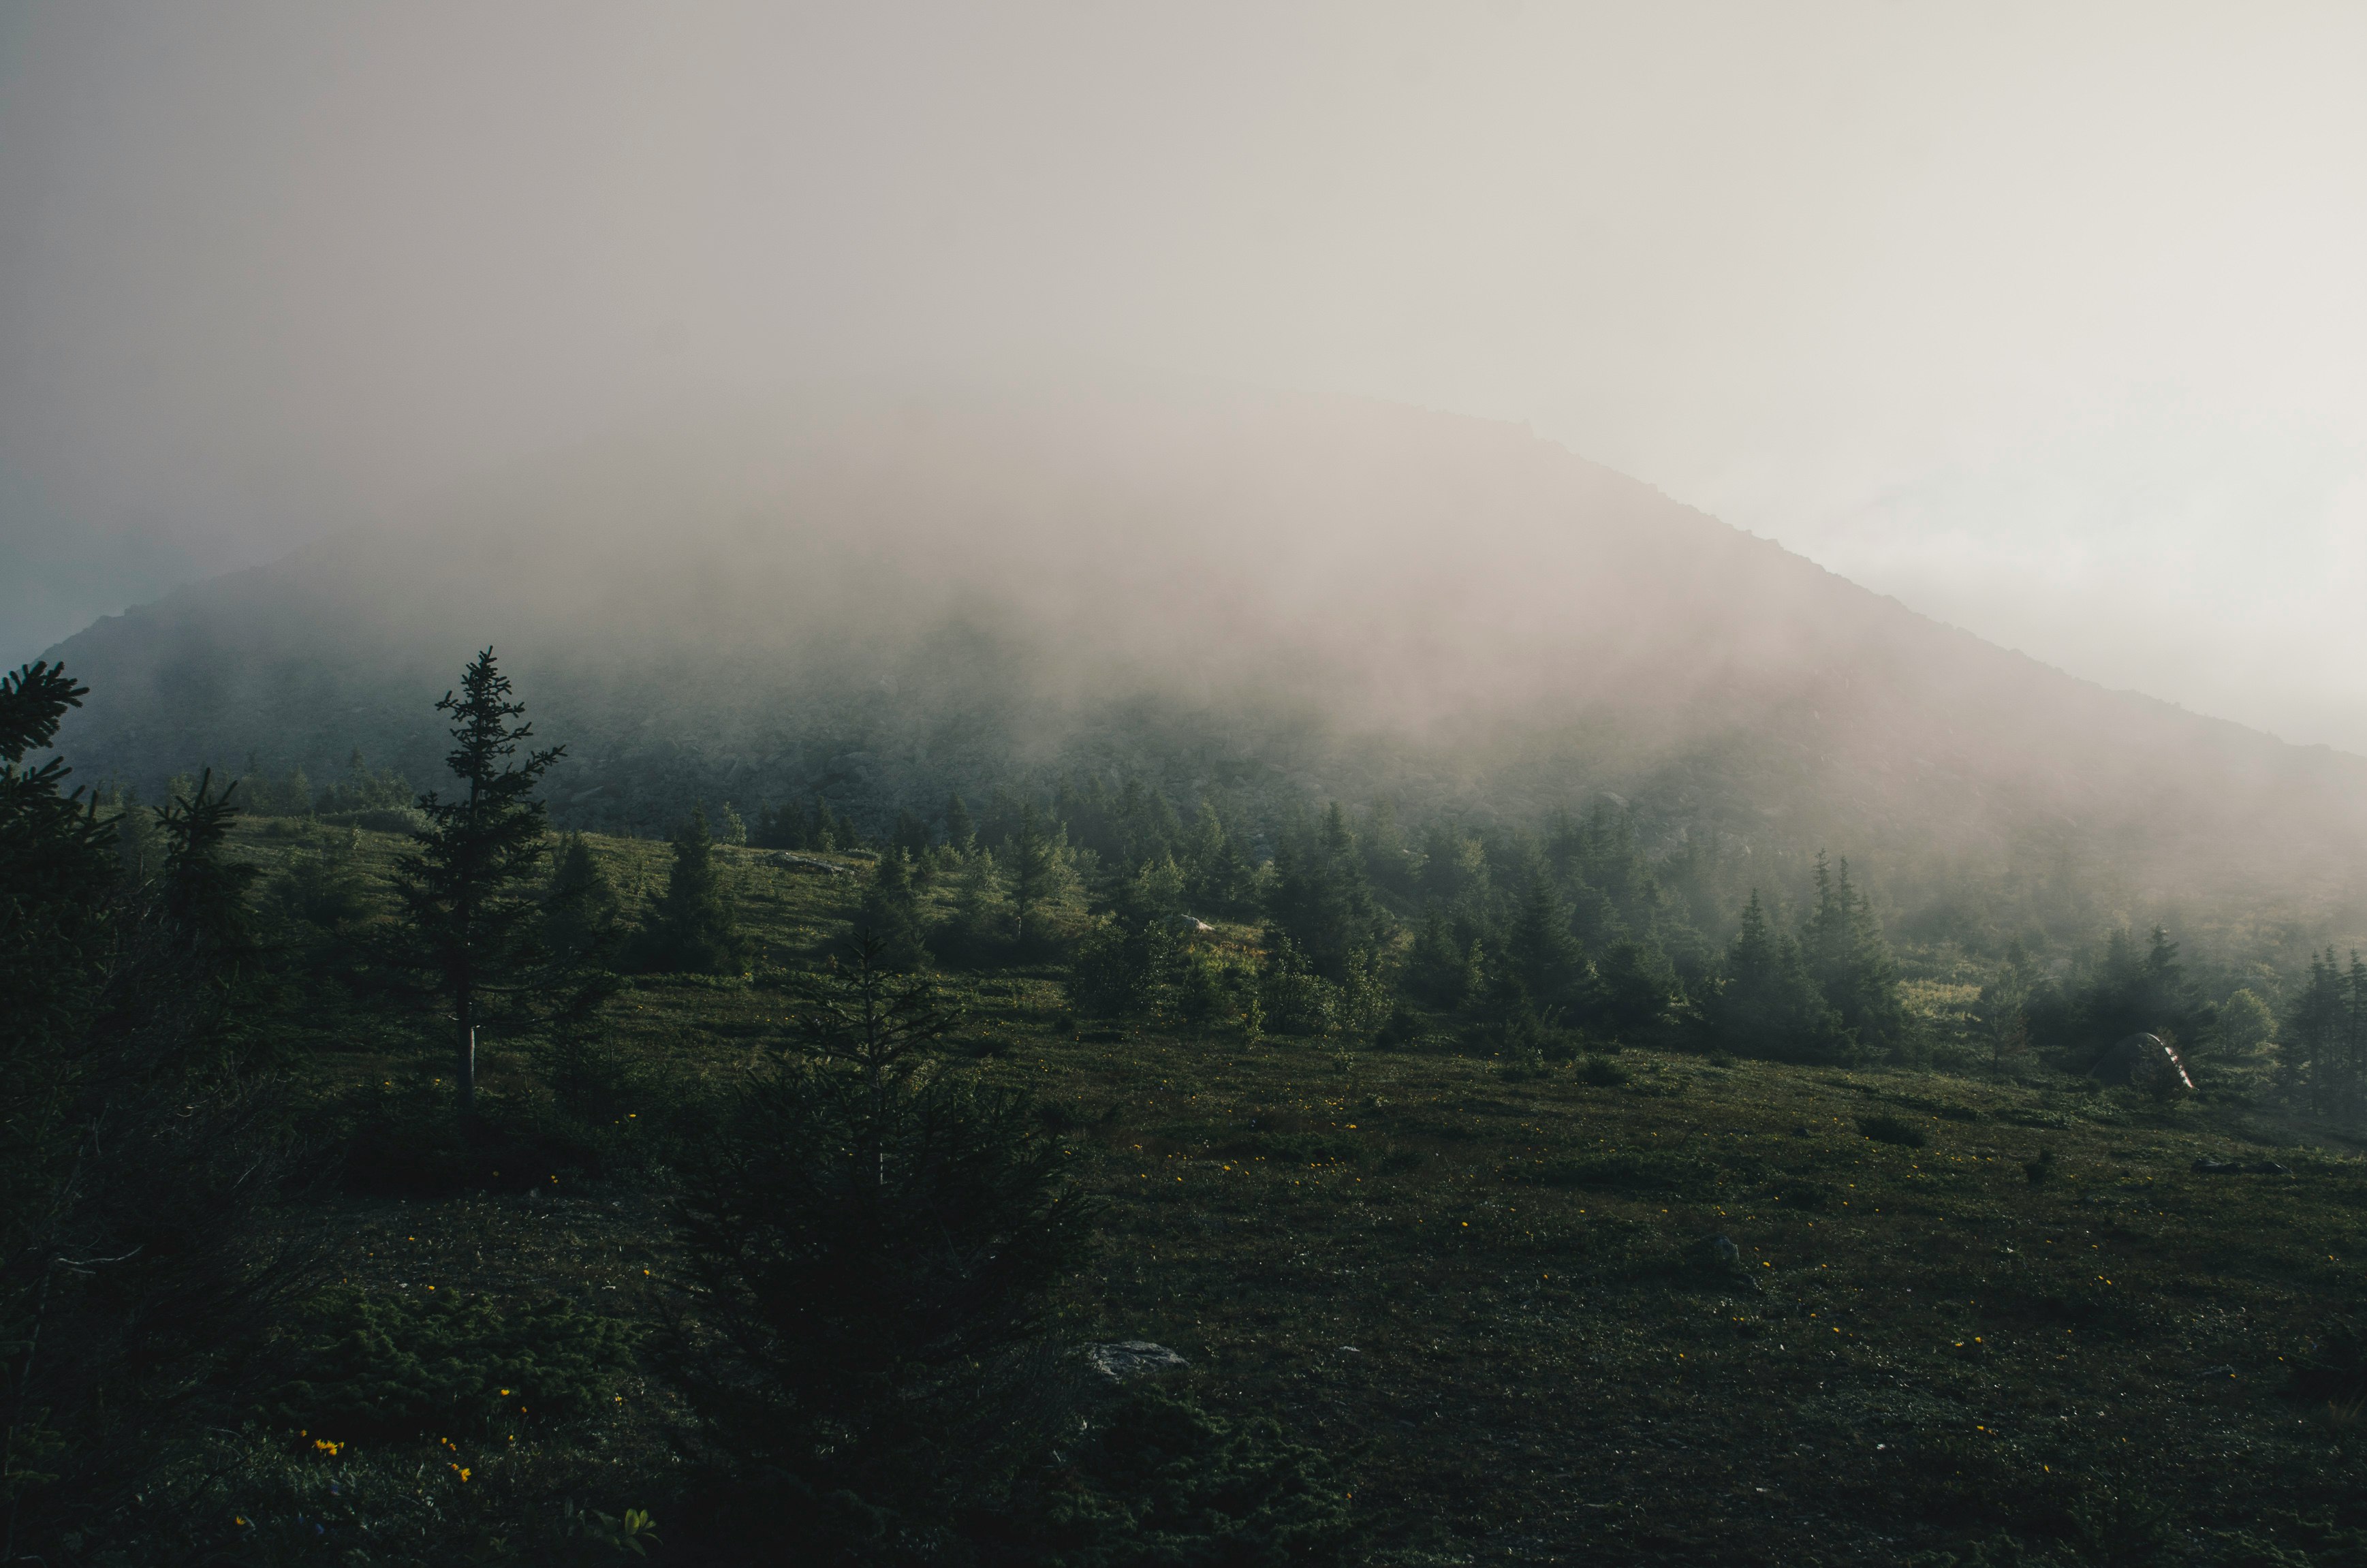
(1285, 597)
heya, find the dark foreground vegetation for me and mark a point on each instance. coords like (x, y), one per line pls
(388, 1181)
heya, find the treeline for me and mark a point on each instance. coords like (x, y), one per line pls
(1575, 940)
(870, 1237)
(361, 791)
(1595, 931)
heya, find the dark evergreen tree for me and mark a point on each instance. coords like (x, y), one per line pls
(1445, 967)
(1635, 996)
(1321, 900)
(363, 790)
(2310, 1064)
(322, 892)
(697, 925)
(961, 834)
(1218, 875)
(1040, 881)
(1123, 968)
(2130, 992)
(1389, 863)
(467, 885)
(139, 842)
(1854, 966)
(778, 827)
(2002, 1013)
(1769, 1005)
(1454, 873)
(982, 919)
(891, 913)
(1539, 963)
(582, 916)
(910, 836)
(821, 828)
(145, 1131)
(845, 834)
(874, 1241)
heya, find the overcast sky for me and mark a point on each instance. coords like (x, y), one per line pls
(2046, 319)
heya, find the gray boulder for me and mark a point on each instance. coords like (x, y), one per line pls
(1125, 1359)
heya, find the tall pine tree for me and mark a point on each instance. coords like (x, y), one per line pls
(468, 884)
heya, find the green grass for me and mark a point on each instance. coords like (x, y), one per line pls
(1495, 1294)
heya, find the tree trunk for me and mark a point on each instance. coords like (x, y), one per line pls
(467, 1063)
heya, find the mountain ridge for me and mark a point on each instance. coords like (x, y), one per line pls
(1369, 598)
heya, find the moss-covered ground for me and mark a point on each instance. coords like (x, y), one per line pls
(1502, 1292)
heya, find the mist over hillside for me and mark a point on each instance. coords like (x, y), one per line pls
(1273, 599)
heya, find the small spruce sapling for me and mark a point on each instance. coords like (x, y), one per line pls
(697, 929)
(873, 1238)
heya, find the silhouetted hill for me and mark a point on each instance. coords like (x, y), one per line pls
(1279, 598)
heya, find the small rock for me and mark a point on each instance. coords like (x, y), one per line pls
(1126, 1359)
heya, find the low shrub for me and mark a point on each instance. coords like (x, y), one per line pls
(1893, 1129)
(365, 1369)
(1160, 1480)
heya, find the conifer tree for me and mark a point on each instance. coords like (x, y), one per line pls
(2246, 1024)
(2307, 1064)
(2353, 1037)
(1039, 876)
(2002, 1012)
(1389, 865)
(981, 917)
(891, 913)
(1453, 869)
(143, 1130)
(783, 827)
(1541, 961)
(467, 886)
(910, 836)
(961, 833)
(1442, 968)
(697, 928)
(873, 1238)
(1218, 877)
(1323, 900)
(582, 913)
(139, 842)
(1855, 967)
(1636, 992)
(1769, 1005)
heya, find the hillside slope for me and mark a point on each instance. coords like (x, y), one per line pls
(1276, 597)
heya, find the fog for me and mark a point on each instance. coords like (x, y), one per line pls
(2044, 320)
(1270, 600)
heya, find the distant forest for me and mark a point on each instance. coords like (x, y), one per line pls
(219, 1012)
(1626, 921)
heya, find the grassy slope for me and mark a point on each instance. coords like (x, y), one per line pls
(1499, 1294)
